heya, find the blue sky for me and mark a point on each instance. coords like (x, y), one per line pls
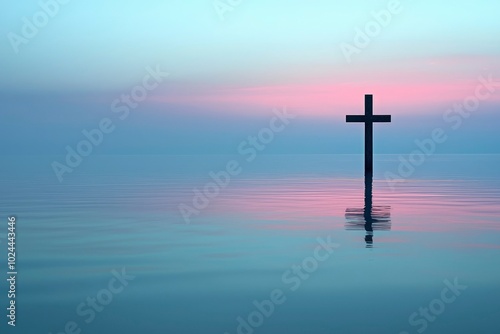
(226, 75)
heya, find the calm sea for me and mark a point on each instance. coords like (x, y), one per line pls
(287, 244)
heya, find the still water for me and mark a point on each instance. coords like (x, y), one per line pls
(288, 244)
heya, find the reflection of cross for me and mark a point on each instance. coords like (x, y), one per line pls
(369, 218)
(368, 118)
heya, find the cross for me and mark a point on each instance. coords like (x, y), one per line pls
(368, 118)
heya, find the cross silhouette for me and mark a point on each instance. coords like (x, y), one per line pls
(368, 118)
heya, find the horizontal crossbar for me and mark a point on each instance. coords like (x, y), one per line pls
(363, 118)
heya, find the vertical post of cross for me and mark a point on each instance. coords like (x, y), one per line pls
(368, 135)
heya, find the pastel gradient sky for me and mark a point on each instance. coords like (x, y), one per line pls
(226, 75)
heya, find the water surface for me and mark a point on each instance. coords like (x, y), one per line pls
(440, 226)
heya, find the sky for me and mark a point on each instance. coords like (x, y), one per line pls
(218, 69)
